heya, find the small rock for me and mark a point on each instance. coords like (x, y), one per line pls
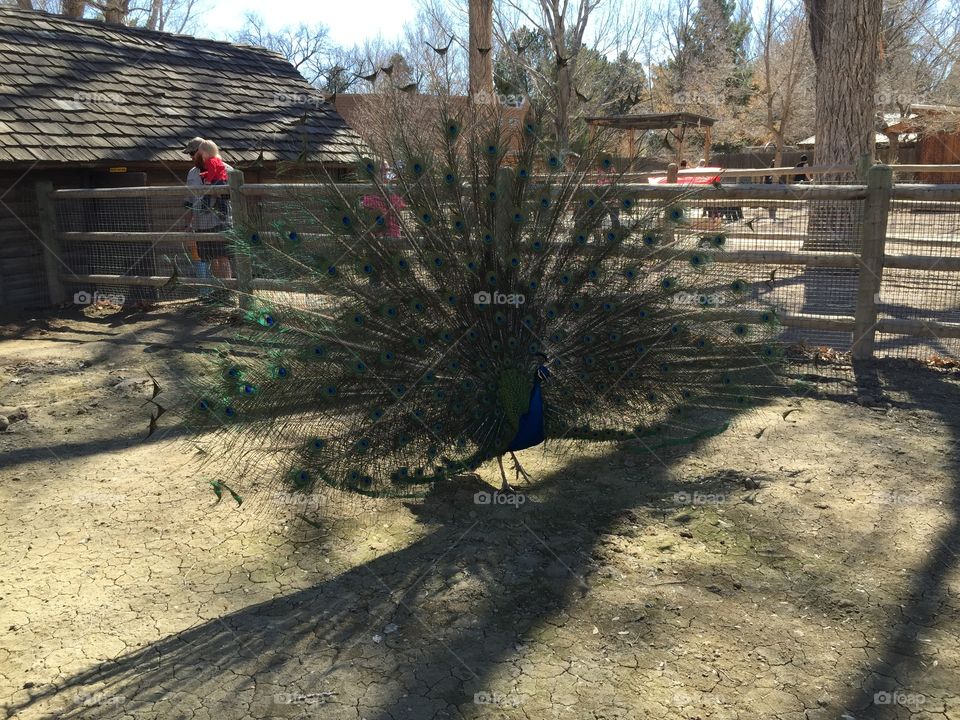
(81, 411)
(4, 423)
(378, 638)
(821, 506)
(390, 628)
(686, 534)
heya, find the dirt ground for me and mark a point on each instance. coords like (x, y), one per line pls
(801, 565)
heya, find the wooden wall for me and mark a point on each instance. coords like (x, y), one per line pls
(938, 149)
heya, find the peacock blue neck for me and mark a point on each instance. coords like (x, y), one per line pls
(530, 430)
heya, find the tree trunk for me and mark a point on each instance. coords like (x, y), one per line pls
(481, 36)
(156, 12)
(25, 4)
(73, 8)
(115, 11)
(564, 86)
(844, 37)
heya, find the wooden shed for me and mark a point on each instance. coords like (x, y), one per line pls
(85, 104)
(938, 138)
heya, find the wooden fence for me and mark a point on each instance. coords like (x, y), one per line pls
(870, 261)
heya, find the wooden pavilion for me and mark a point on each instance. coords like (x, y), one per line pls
(676, 124)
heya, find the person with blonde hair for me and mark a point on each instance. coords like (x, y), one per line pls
(214, 170)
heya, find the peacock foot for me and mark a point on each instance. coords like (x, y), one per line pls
(518, 469)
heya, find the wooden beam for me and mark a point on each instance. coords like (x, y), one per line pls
(876, 210)
(52, 252)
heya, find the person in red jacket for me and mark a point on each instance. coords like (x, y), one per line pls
(214, 170)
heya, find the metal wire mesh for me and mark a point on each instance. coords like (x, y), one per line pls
(789, 225)
(161, 255)
(917, 227)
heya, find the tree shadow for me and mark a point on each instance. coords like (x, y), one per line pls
(890, 686)
(412, 633)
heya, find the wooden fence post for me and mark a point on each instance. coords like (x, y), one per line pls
(672, 169)
(52, 254)
(241, 220)
(876, 209)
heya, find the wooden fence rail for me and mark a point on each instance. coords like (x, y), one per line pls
(871, 261)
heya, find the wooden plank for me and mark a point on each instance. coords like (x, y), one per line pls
(918, 328)
(136, 237)
(904, 191)
(52, 252)
(923, 262)
(876, 210)
(147, 191)
(240, 218)
(146, 281)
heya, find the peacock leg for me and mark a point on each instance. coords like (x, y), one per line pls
(505, 488)
(518, 468)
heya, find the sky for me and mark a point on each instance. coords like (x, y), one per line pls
(350, 21)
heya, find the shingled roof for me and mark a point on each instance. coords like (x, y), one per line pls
(81, 91)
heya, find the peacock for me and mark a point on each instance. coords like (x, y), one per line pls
(473, 291)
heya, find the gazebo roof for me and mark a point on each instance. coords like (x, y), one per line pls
(652, 121)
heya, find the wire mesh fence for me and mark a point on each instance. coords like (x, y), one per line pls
(928, 228)
(159, 235)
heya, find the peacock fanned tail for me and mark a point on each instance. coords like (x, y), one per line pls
(470, 266)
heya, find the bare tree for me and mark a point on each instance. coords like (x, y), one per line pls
(175, 16)
(307, 48)
(783, 72)
(564, 26)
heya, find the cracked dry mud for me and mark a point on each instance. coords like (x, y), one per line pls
(808, 573)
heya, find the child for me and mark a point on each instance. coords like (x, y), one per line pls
(214, 171)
